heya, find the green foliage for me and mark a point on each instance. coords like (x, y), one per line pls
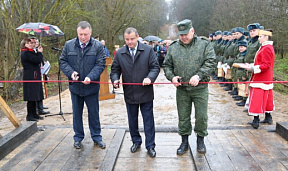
(281, 74)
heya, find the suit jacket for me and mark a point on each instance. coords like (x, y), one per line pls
(145, 65)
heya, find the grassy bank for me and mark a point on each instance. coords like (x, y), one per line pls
(281, 74)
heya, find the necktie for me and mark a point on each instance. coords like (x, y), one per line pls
(132, 53)
(83, 46)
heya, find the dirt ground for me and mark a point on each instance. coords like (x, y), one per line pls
(222, 111)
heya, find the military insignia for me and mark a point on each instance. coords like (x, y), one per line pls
(182, 27)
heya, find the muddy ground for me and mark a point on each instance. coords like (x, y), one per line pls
(222, 111)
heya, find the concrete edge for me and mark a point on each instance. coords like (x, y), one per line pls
(113, 151)
(282, 129)
(16, 137)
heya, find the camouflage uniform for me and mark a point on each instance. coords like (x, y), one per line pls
(195, 58)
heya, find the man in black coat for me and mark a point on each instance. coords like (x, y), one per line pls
(83, 59)
(137, 63)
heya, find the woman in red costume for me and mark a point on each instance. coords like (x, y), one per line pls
(260, 100)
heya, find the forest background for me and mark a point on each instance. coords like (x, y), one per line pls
(109, 18)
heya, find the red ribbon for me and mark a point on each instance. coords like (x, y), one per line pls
(98, 82)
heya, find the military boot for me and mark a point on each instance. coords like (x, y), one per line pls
(228, 88)
(184, 145)
(201, 148)
(255, 122)
(235, 90)
(242, 103)
(268, 118)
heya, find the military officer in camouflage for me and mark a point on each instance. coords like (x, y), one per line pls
(190, 59)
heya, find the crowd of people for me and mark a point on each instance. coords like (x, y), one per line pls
(228, 56)
(242, 57)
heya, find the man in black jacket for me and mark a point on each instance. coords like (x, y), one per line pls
(83, 59)
(137, 63)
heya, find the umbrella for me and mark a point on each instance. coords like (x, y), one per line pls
(41, 29)
(152, 38)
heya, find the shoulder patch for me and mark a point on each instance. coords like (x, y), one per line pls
(175, 41)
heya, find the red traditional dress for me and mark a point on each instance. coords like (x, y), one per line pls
(260, 98)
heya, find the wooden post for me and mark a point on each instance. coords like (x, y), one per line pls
(104, 92)
(8, 112)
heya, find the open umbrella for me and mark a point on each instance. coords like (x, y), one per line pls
(152, 38)
(41, 29)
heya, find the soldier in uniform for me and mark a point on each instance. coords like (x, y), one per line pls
(217, 49)
(190, 59)
(240, 37)
(229, 55)
(240, 72)
(222, 51)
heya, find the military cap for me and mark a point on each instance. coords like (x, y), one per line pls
(225, 33)
(218, 32)
(242, 43)
(253, 26)
(211, 35)
(246, 33)
(261, 27)
(233, 30)
(184, 26)
(239, 29)
(229, 34)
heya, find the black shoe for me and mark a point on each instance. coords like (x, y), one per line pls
(246, 110)
(242, 103)
(31, 118)
(268, 119)
(77, 144)
(134, 148)
(45, 107)
(201, 148)
(100, 143)
(255, 122)
(42, 112)
(38, 117)
(182, 149)
(183, 146)
(151, 152)
(238, 98)
(234, 96)
(228, 88)
(234, 91)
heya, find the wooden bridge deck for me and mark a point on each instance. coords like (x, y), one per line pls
(235, 149)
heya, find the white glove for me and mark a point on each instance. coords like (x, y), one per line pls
(75, 76)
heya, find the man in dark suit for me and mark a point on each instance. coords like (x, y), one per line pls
(83, 60)
(137, 63)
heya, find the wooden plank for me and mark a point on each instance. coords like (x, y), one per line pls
(151, 164)
(257, 145)
(253, 147)
(236, 151)
(275, 144)
(40, 152)
(8, 112)
(59, 156)
(216, 154)
(14, 138)
(200, 160)
(90, 156)
(282, 129)
(166, 157)
(113, 150)
(13, 158)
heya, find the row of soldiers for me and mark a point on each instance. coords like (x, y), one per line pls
(235, 47)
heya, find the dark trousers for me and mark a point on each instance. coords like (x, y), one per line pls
(148, 120)
(31, 108)
(92, 103)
